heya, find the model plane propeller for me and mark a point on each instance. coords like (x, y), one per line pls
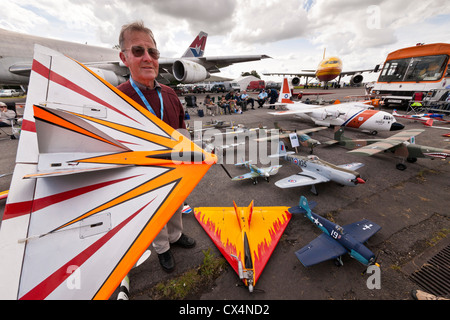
(335, 240)
(246, 236)
(316, 170)
(96, 178)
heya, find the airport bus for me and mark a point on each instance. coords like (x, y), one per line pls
(413, 73)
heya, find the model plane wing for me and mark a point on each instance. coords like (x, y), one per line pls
(388, 143)
(228, 227)
(352, 166)
(362, 230)
(304, 178)
(110, 177)
(321, 249)
(249, 175)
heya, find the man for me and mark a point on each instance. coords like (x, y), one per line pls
(140, 55)
(262, 97)
(5, 115)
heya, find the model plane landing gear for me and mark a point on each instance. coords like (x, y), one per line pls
(401, 166)
(338, 262)
(255, 181)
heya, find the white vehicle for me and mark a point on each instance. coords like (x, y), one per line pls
(6, 93)
(412, 73)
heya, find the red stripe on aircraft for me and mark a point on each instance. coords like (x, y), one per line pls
(28, 125)
(53, 76)
(47, 286)
(14, 210)
(360, 118)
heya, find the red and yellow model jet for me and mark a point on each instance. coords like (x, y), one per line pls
(246, 236)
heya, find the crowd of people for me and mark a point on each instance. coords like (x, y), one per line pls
(236, 102)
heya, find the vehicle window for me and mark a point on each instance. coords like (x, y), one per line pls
(428, 68)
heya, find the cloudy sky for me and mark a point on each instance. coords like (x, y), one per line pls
(293, 32)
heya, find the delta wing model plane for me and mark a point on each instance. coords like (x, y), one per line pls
(349, 114)
(402, 145)
(335, 241)
(295, 137)
(315, 171)
(328, 69)
(246, 236)
(256, 172)
(16, 54)
(96, 178)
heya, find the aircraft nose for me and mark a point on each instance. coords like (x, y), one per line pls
(396, 126)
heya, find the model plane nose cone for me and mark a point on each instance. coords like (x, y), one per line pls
(360, 181)
(396, 126)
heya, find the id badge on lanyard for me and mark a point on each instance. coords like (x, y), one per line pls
(141, 95)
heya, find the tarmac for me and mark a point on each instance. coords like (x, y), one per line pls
(411, 206)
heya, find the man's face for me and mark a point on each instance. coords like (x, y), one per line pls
(143, 69)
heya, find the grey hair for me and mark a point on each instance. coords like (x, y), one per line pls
(137, 26)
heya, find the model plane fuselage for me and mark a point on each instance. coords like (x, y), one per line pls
(335, 240)
(315, 170)
(349, 114)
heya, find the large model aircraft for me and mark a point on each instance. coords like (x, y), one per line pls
(335, 240)
(256, 172)
(16, 52)
(399, 144)
(246, 236)
(327, 70)
(96, 178)
(350, 114)
(315, 170)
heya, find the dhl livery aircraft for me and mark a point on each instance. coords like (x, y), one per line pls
(350, 114)
(327, 70)
(97, 176)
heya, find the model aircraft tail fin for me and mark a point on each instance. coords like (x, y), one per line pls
(281, 151)
(303, 207)
(429, 122)
(285, 95)
(197, 47)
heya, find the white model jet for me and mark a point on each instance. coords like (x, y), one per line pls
(350, 114)
(315, 170)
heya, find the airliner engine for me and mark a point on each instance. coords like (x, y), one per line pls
(109, 76)
(188, 71)
(295, 81)
(357, 78)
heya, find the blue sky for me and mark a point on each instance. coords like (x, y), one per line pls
(293, 32)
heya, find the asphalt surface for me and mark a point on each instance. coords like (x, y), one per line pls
(411, 206)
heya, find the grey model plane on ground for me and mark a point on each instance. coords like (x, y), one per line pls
(315, 170)
(295, 137)
(16, 56)
(256, 172)
(399, 144)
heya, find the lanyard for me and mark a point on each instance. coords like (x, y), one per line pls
(141, 95)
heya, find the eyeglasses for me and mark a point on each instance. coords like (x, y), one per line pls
(138, 51)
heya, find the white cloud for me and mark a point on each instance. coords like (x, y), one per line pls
(293, 32)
